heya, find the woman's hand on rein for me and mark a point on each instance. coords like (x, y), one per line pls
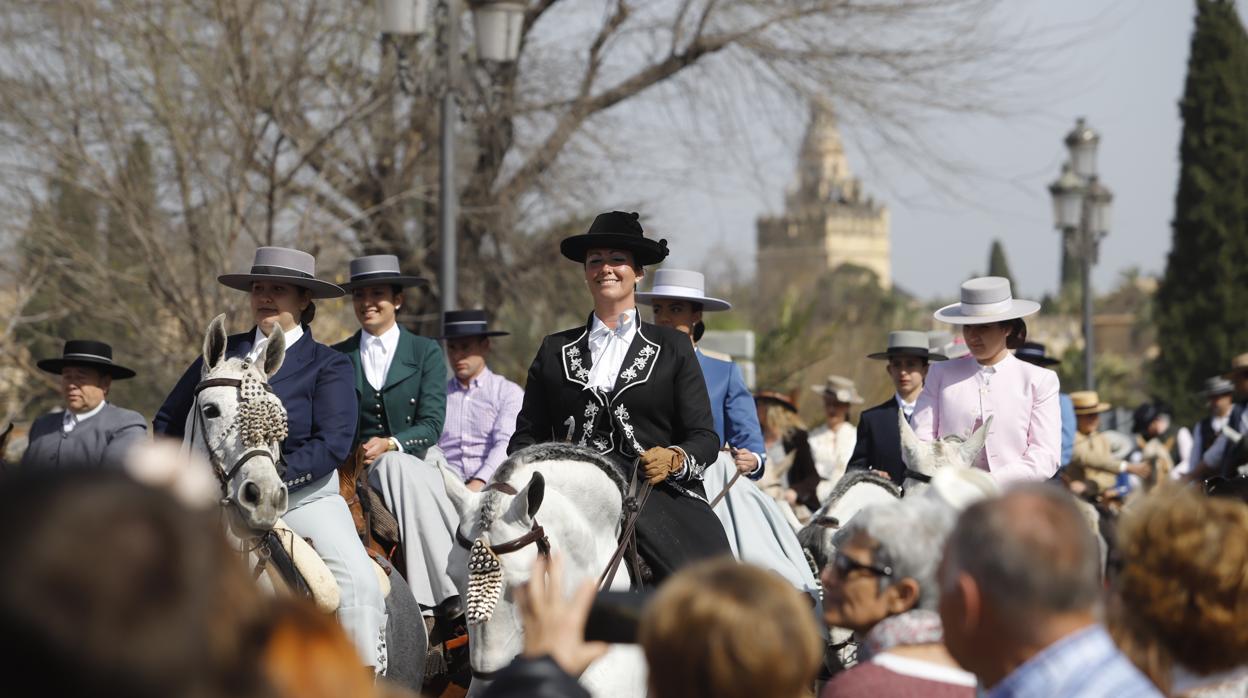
(554, 625)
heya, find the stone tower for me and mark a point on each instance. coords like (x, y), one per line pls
(827, 220)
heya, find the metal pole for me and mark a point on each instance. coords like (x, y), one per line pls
(1086, 241)
(447, 203)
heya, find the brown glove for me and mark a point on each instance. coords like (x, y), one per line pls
(659, 463)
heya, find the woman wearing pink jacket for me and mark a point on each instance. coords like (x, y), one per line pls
(1025, 437)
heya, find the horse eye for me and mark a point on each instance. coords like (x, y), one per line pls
(211, 411)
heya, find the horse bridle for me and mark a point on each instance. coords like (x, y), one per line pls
(224, 475)
(536, 534)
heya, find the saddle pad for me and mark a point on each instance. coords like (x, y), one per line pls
(321, 583)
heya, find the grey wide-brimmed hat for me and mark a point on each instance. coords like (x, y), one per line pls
(286, 265)
(984, 300)
(907, 343)
(1218, 385)
(86, 352)
(839, 388)
(379, 270)
(681, 284)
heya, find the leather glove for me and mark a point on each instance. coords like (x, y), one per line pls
(659, 463)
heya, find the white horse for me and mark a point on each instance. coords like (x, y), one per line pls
(238, 425)
(548, 497)
(924, 458)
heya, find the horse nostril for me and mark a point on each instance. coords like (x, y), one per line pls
(251, 493)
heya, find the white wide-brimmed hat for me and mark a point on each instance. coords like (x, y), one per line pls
(681, 284)
(984, 300)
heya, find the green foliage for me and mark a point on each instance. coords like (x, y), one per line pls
(998, 266)
(1200, 303)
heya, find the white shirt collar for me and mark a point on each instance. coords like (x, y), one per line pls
(69, 416)
(388, 340)
(292, 335)
(626, 325)
(903, 403)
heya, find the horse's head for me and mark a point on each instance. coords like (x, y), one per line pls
(926, 457)
(558, 499)
(240, 424)
(856, 490)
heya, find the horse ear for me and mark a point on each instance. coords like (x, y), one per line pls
(971, 447)
(912, 449)
(462, 499)
(214, 343)
(274, 353)
(533, 494)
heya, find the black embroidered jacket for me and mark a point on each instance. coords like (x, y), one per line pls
(659, 399)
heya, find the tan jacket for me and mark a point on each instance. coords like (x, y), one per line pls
(1092, 460)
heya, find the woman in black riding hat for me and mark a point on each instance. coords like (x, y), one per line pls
(633, 392)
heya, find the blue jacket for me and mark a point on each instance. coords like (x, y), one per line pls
(732, 408)
(1068, 427)
(316, 385)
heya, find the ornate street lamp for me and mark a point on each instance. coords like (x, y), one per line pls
(1081, 210)
(498, 25)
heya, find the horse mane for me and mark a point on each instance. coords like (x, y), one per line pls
(491, 502)
(853, 477)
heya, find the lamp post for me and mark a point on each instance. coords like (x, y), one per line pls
(1081, 212)
(497, 25)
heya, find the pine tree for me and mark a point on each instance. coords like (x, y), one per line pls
(997, 266)
(1201, 301)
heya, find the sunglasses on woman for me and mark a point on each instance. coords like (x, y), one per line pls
(844, 564)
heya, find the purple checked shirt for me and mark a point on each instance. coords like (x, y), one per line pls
(480, 420)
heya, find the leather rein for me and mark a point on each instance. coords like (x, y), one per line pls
(536, 534)
(224, 475)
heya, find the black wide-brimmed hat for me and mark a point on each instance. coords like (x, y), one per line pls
(907, 343)
(1034, 353)
(379, 270)
(615, 230)
(286, 265)
(87, 352)
(467, 323)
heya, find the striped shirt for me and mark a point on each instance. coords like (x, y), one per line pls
(480, 420)
(1084, 664)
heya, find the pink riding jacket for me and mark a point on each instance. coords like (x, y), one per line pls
(1025, 439)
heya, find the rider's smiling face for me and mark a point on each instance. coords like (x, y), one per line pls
(277, 304)
(611, 275)
(375, 307)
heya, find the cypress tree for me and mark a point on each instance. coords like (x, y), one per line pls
(997, 266)
(1204, 292)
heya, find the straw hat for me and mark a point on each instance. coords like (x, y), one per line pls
(840, 389)
(1088, 402)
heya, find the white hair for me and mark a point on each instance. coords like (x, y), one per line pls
(909, 536)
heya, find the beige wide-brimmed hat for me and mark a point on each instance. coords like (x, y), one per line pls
(984, 300)
(840, 389)
(1239, 364)
(1088, 402)
(294, 267)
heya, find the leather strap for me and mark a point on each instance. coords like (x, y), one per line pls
(918, 476)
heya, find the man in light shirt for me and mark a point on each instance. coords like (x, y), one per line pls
(481, 406)
(90, 432)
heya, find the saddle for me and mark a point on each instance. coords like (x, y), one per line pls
(374, 523)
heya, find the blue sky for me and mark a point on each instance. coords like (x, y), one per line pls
(1123, 69)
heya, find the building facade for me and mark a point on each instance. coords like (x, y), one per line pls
(828, 221)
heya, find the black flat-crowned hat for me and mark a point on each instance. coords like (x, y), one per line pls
(467, 323)
(379, 270)
(907, 343)
(286, 265)
(615, 230)
(1034, 353)
(87, 352)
